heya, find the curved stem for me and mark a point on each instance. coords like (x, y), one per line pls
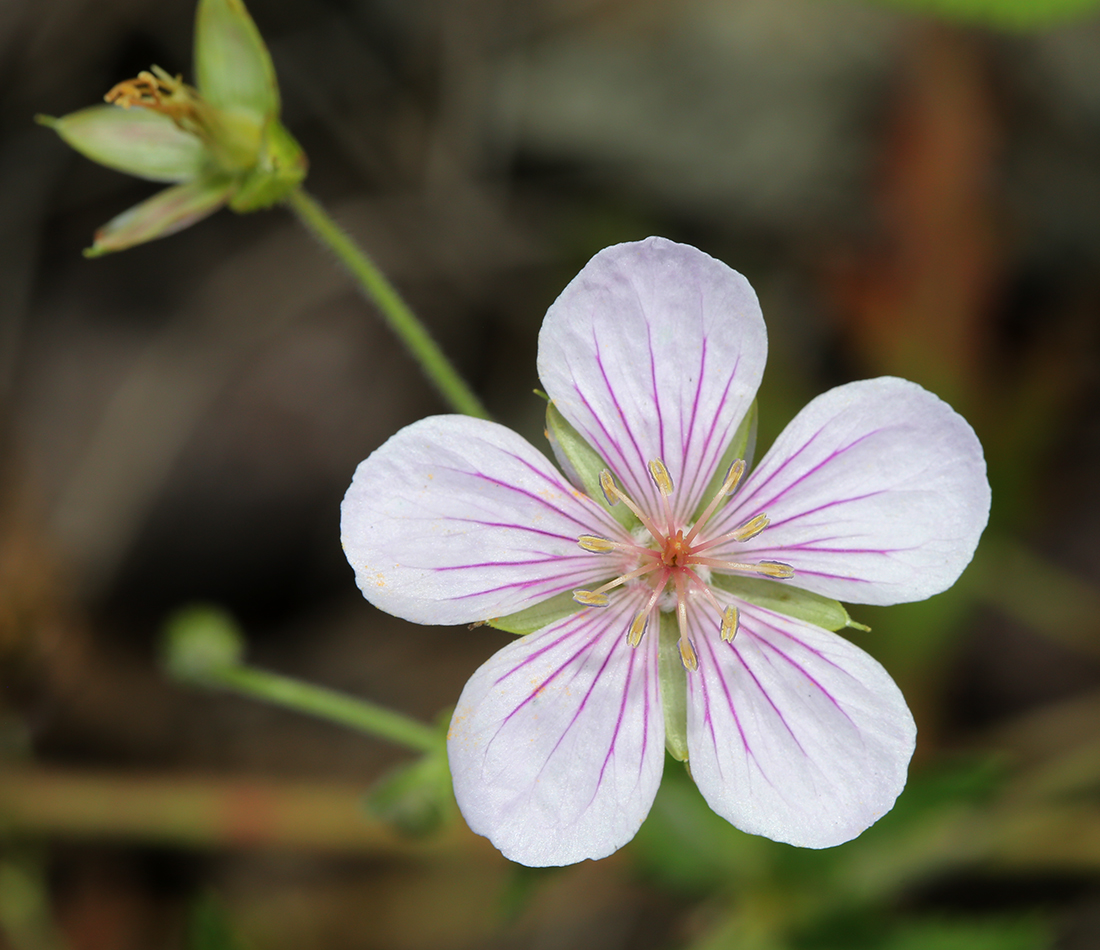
(394, 310)
(326, 704)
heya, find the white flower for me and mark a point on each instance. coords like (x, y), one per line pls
(683, 613)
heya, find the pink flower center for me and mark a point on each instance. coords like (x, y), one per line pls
(674, 561)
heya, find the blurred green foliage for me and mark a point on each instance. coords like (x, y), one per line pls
(1008, 14)
(209, 926)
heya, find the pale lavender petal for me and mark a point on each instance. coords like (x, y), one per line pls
(793, 732)
(655, 350)
(557, 743)
(876, 491)
(456, 519)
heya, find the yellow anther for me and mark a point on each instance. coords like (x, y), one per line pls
(687, 655)
(731, 618)
(589, 599)
(750, 529)
(637, 628)
(733, 476)
(610, 492)
(774, 569)
(661, 477)
(596, 545)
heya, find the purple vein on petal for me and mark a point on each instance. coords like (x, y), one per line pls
(787, 635)
(632, 661)
(810, 678)
(534, 496)
(662, 451)
(836, 453)
(548, 584)
(764, 692)
(642, 460)
(825, 506)
(708, 467)
(706, 645)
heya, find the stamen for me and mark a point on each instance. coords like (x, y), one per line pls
(744, 532)
(750, 529)
(664, 485)
(687, 649)
(698, 583)
(614, 494)
(638, 628)
(731, 619)
(610, 491)
(775, 569)
(597, 598)
(661, 477)
(590, 598)
(729, 484)
(687, 655)
(597, 545)
(641, 621)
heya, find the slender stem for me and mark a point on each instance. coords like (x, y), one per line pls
(395, 311)
(326, 704)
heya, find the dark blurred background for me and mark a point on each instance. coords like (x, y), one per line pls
(909, 195)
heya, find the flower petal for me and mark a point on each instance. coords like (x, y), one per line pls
(557, 743)
(457, 519)
(876, 491)
(167, 212)
(793, 732)
(232, 65)
(655, 350)
(136, 141)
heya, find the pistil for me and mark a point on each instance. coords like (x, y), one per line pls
(675, 556)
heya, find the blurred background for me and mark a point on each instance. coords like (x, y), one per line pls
(911, 191)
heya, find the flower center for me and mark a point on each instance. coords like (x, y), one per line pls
(675, 561)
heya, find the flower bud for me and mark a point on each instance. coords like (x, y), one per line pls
(220, 143)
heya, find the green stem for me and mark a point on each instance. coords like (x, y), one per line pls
(326, 704)
(395, 311)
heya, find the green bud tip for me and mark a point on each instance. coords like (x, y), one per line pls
(201, 640)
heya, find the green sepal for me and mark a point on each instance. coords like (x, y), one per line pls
(165, 213)
(233, 69)
(280, 169)
(135, 141)
(541, 615)
(783, 599)
(742, 446)
(673, 682)
(582, 464)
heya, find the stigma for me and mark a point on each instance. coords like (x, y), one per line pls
(676, 558)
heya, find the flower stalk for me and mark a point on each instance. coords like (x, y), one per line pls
(203, 646)
(400, 319)
(323, 703)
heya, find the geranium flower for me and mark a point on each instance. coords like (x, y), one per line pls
(672, 599)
